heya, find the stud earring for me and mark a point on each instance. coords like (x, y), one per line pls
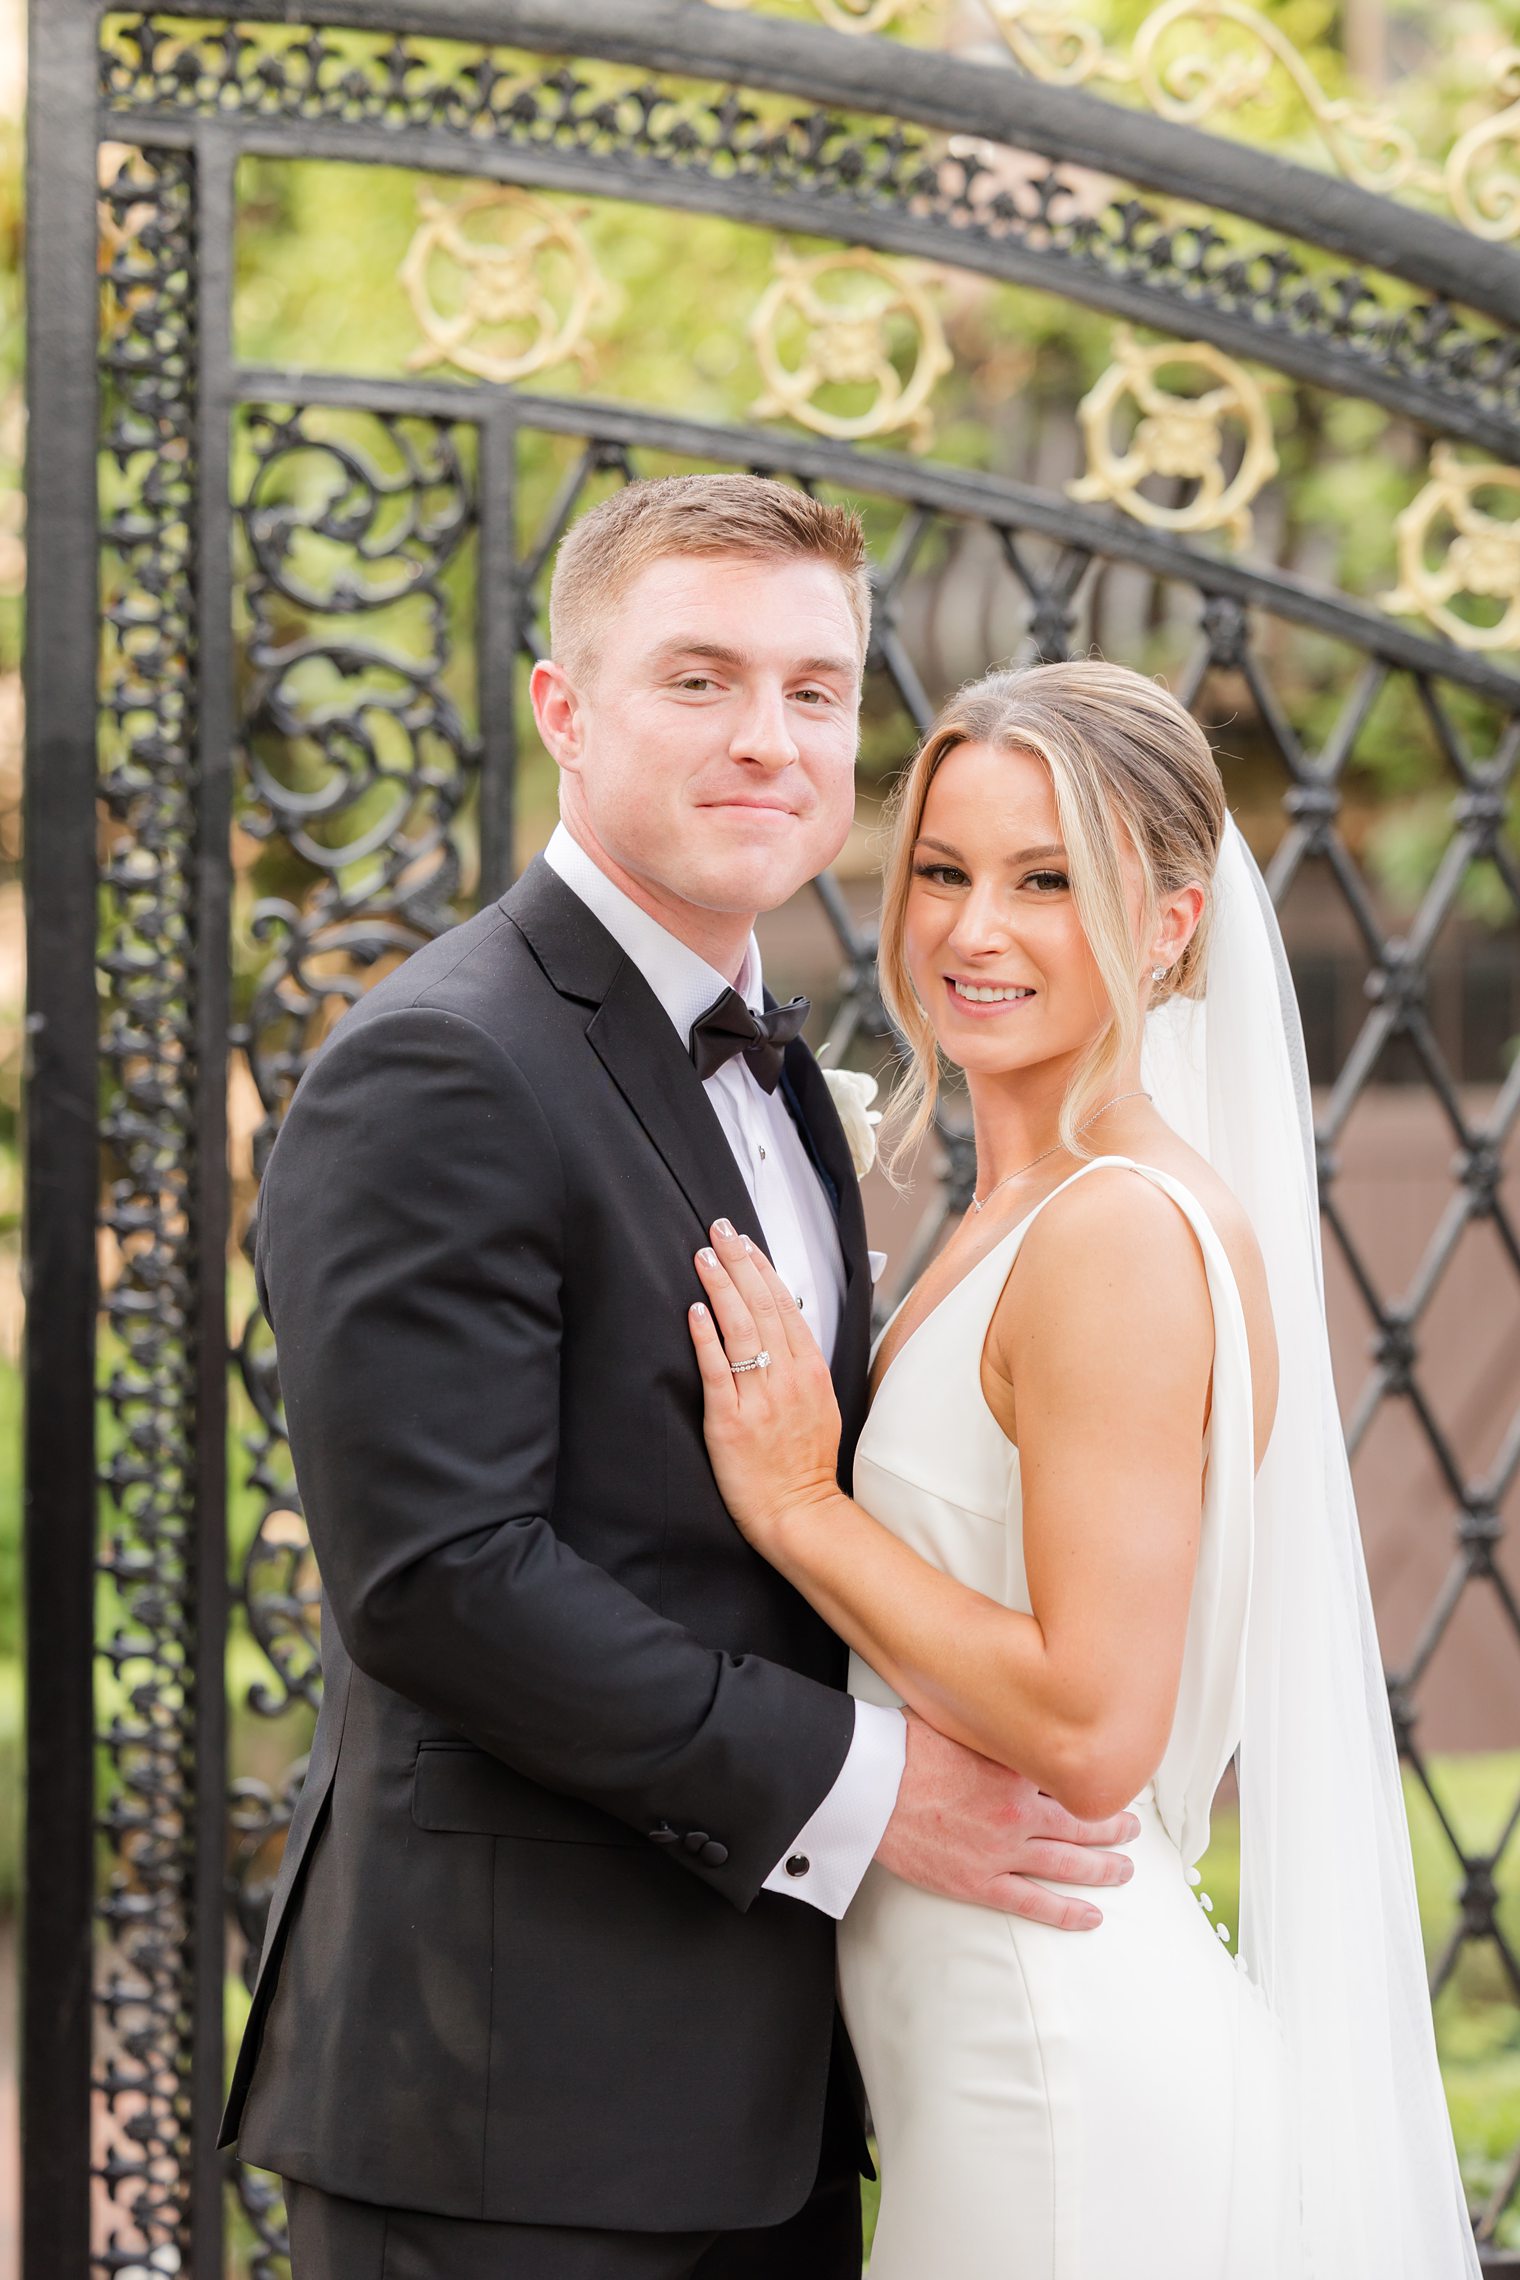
(1158, 973)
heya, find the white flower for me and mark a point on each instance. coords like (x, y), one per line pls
(853, 1093)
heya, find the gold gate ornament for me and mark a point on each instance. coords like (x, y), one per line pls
(509, 284)
(848, 342)
(1192, 60)
(1482, 554)
(1177, 436)
(1483, 165)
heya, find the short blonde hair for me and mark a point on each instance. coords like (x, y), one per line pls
(603, 553)
(1127, 763)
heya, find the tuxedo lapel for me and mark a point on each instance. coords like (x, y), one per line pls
(641, 1052)
(637, 1044)
(808, 1088)
(826, 1180)
(821, 1128)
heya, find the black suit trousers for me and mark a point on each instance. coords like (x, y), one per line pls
(335, 2239)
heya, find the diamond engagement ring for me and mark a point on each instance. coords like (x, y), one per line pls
(756, 1362)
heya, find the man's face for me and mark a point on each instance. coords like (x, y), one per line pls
(711, 755)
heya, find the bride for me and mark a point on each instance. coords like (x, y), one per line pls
(1102, 1532)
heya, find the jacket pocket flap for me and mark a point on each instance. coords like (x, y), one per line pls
(464, 1790)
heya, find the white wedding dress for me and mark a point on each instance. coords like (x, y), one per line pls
(1068, 2105)
(1053, 2105)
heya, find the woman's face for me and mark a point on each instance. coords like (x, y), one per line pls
(992, 939)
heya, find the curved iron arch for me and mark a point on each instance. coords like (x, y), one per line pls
(1340, 327)
(821, 66)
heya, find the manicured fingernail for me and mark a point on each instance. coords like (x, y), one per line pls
(748, 1245)
(722, 1227)
(1090, 1921)
(700, 1311)
(708, 1255)
(1129, 1870)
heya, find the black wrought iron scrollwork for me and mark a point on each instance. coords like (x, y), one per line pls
(259, 1815)
(148, 965)
(960, 198)
(359, 532)
(357, 757)
(357, 766)
(358, 762)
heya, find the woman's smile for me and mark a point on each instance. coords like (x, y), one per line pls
(979, 999)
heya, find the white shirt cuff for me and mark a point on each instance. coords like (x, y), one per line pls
(829, 1857)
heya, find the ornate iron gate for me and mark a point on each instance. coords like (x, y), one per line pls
(251, 679)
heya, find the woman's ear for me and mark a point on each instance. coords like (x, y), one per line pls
(1176, 924)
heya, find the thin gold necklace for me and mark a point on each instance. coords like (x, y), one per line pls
(980, 1202)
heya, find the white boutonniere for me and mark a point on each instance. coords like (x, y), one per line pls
(852, 1093)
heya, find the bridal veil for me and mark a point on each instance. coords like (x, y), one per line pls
(1329, 1933)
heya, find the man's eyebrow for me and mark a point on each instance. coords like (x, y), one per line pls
(716, 651)
(719, 653)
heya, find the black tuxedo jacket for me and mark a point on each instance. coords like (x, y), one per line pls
(519, 1962)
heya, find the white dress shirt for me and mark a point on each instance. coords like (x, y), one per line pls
(831, 1854)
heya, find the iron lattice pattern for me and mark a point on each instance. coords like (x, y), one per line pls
(820, 171)
(146, 1688)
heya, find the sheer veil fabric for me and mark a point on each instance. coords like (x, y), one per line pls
(1329, 1935)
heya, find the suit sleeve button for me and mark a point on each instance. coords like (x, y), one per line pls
(663, 1835)
(696, 1839)
(798, 1865)
(713, 1855)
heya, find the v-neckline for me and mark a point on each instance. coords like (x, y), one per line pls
(1168, 1181)
(961, 1281)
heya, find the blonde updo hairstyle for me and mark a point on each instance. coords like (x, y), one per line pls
(1131, 769)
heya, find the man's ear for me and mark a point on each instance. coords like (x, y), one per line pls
(557, 710)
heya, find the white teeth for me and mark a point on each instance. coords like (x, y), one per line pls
(988, 996)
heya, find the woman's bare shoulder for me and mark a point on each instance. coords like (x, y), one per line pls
(1106, 1237)
(1104, 1232)
(1231, 1223)
(1227, 1215)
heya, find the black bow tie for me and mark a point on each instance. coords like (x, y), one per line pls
(728, 1027)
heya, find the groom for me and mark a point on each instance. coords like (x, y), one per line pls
(547, 1991)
